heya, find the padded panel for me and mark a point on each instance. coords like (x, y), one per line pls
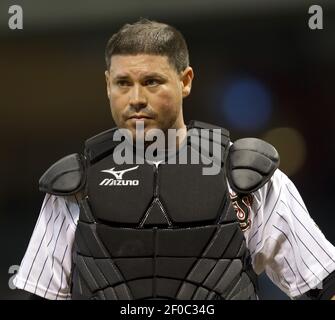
(89, 242)
(242, 249)
(246, 179)
(95, 271)
(213, 296)
(65, 177)
(81, 246)
(132, 268)
(86, 212)
(240, 290)
(200, 294)
(100, 145)
(235, 246)
(247, 293)
(120, 203)
(205, 125)
(99, 295)
(246, 158)
(258, 145)
(186, 291)
(231, 273)
(167, 287)
(86, 274)
(216, 273)
(250, 164)
(110, 294)
(123, 292)
(142, 288)
(189, 196)
(184, 242)
(201, 136)
(222, 240)
(212, 149)
(80, 290)
(110, 271)
(173, 267)
(126, 242)
(201, 270)
(229, 213)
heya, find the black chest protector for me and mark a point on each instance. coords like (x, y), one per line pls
(157, 231)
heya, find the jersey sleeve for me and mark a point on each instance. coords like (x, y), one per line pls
(284, 241)
(46, 266)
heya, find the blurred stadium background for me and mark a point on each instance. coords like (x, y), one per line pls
(259, 71)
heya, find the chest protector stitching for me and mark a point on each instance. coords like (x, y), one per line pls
(157, 231)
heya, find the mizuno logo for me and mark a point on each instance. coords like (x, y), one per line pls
(118, 175)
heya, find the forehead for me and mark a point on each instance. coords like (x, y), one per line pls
(137, 65)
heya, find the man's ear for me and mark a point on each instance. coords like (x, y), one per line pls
(107, 82)
(186, 80)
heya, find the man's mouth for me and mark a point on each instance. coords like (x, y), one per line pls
(140, 117)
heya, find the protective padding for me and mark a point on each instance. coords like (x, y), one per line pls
(251, 163)
(65, 177)
(162, 263)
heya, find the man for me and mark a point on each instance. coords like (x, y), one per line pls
(170, 231)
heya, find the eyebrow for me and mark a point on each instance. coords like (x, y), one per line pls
(121, 77)
(145, 76)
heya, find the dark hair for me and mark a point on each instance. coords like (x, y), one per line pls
(149, 37)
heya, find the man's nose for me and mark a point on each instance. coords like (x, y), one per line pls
(138, 99)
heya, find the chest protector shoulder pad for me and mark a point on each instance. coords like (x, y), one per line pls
(251, 163)
(65, 177)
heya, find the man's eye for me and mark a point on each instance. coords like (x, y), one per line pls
(123, 83)
(152, 82)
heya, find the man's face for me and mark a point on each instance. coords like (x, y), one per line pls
(147, 88)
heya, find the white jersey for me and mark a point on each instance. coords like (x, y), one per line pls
(283, 241)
